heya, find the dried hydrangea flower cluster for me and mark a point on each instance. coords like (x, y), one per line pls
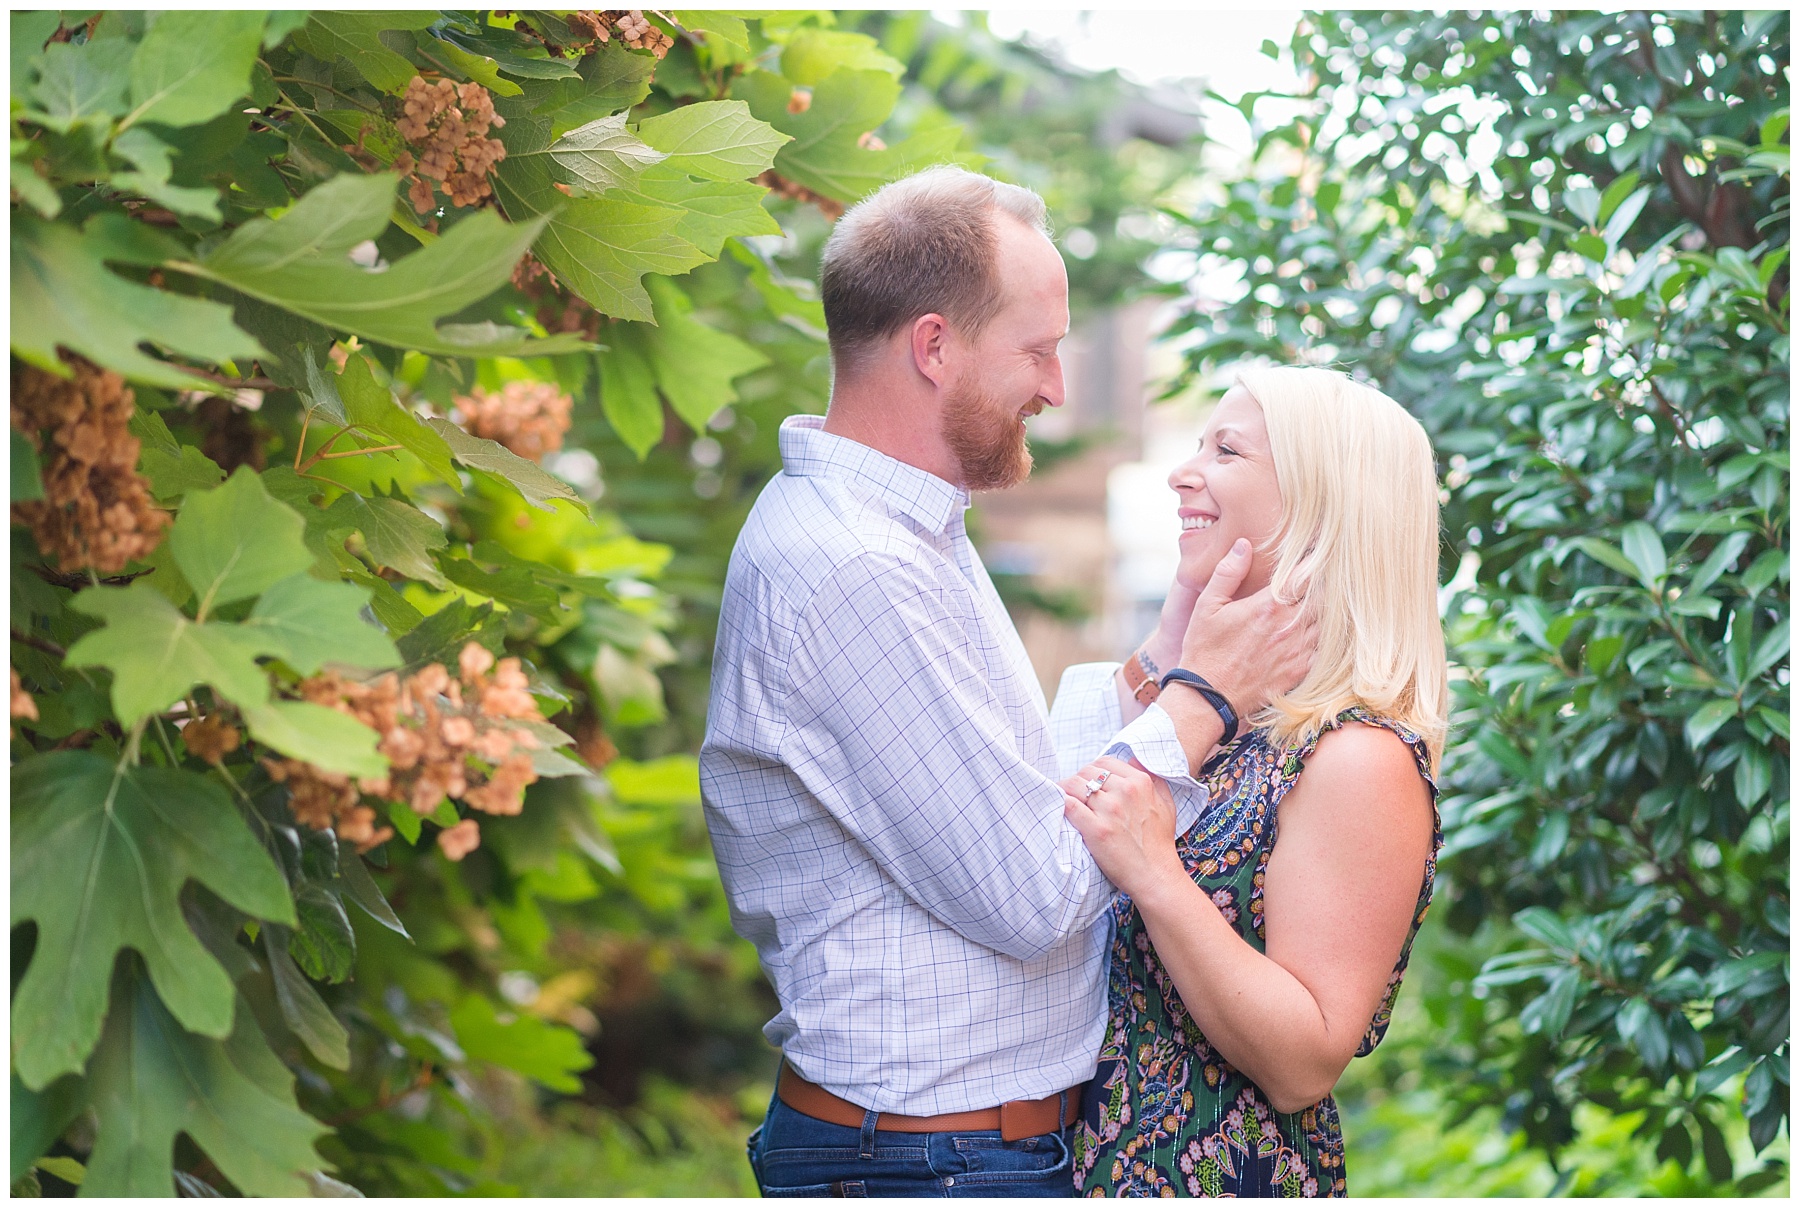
(631, 27)
(442, 736)
(96, 511)
(449, 124)
(211, 738)
(22, 704)
(527, 417)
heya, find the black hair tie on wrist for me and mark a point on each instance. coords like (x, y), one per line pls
(1214, 697)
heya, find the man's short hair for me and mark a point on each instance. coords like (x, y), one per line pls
(924, 244)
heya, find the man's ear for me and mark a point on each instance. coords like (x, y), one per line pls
(930, 337)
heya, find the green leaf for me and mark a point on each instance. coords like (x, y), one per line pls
(1545, 926)
(1706, 720)
(817, 53)
(721, 27)
(151, 1080)
(79, 83)
(1606, 555)
(332, 740)
(602, 155)
(711, 211)
(152, 157)
(546, 1052)
(694, 364)
(310, 623)
(172, 467)
(599, 247)
(301, 1007)
(192, 64)
(534, 484)
(480, 68)
(300, 262)
(64, 295)
(395, 534)
(372, 408)
(714, 140)
(356, 38)
(67, 1169)
(365, 893)
(100, 854)
(1724, 555)
(671, 780)
(440, 637)
(406, 823)
(157, 654)
(825, 155)
(27, 482)
(512, 586)
(1644, 547)
(237, 540)
(628, 397)
(611, 79)
(39, 1117)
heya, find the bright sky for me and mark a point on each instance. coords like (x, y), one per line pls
(1170, 46)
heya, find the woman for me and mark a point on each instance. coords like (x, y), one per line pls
(1257, 953)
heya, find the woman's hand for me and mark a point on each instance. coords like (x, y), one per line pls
(1128, 823)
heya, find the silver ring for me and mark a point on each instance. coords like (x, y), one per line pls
(1096, 784)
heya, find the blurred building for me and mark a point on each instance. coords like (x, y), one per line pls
(1085, 549)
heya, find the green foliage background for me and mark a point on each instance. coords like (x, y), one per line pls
(1560, 240)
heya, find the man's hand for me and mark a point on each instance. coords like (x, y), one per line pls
(1252, 649)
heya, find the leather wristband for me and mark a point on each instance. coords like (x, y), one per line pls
(1144, 686)
(1214, 697)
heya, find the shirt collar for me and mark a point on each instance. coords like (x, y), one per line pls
(808, 451)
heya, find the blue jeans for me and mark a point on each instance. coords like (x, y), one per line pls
(796, 1155)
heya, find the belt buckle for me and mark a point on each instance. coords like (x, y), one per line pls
(1014, 1122)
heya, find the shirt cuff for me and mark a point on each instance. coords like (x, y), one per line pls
(1152, 741)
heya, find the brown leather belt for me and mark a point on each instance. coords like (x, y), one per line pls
(1016, 1120)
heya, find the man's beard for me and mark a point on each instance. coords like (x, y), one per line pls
(987, 437)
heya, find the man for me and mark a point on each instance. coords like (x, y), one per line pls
(878, 770)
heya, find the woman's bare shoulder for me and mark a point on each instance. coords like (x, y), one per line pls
(1364, 773)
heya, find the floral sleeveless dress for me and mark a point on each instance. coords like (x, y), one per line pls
(1165, 1114)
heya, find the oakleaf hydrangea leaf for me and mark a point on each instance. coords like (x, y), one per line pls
(64, 295)
(372, 408)
(100, 854)
(534, 484)
(602, 155)
(192, 64)
(309, 623)
(156, 653)
(548, 1053)
(395, 534)
(714, 140)
(237, 540)
(301, 262)
(233, 1097)
(355, 37)
(302, 730)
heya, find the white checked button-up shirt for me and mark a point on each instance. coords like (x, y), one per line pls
(878, 779)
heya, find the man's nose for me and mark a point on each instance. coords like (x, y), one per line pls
(1052, 389)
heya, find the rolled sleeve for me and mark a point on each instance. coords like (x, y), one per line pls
(1151, 740)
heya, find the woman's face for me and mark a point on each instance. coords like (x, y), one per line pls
(1228, 490)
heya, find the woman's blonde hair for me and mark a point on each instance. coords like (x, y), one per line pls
(1358, 539)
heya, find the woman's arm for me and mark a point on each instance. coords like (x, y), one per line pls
(1339, 895)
